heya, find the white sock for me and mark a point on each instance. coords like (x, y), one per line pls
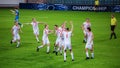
(37, 38)
(18, 43)
(64, 55)
(72, 55)
(48, 48)
(87, 55)
(40, 46)
(92, 55)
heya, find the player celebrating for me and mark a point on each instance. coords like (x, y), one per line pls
(84, 27)
(67, 41)
(34, 24)
(113, 25)
(15, 32)
(58, 31)
(16, 13)
(45, 40)
(89, 44)
(60, 39)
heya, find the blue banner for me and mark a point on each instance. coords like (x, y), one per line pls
(115, 8)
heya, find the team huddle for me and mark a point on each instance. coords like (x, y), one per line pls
(63, 37)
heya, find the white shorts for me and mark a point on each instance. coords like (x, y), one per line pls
(58, 40)
(16, 37)
(45, 40)
(67, 46)
(89, 45)
(62, 43)
(36, 32)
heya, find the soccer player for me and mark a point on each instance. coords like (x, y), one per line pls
(16, 13)
(15, 32)
(60, 39)
(34, 24)
(89, 44)
(84, 28)
(45, 40)
(58, 31)
(67, 41)
(113, 25)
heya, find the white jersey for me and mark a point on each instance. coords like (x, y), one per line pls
(67, 37)
(15, 29)
(16, 32)
(45, 36)
(35, 27)
(89, 36)
(86, 25)
(89, 43)
(58, 32)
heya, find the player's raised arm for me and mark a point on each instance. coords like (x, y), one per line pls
(27, 23)
(42, 23)
(71, 23)
(50, 32)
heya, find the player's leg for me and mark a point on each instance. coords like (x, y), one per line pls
(14, 39)
(87, 54)
(48, 48)
(48, 45)
(85, 39)
(114, 32)
(86, 50)
(65, 49)
(41, 46)
(18, 41)
(72, 56)
(17, 20)
(36, 33)
(55, 46)
(60, 50)
(92, 51)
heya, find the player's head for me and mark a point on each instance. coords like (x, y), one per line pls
(15, 8)
(55, 26)
(16, 23)
(33, 19)
(67, 29)
(87, 20)
(46, 26)
(89, 29)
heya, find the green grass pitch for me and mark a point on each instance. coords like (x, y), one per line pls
(106, 51)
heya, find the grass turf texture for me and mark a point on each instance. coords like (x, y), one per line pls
(106, 51)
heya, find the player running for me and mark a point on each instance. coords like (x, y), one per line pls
(15, 32)
(89, 44)
(16, 13)
(84, 28)
(45, 40)
(67, 41)
(34, 24)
